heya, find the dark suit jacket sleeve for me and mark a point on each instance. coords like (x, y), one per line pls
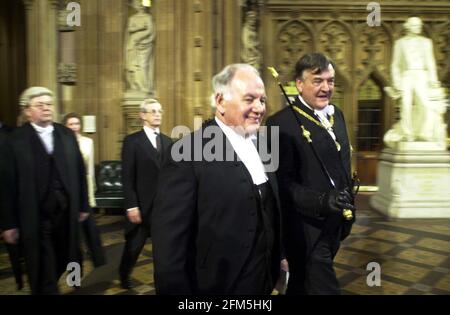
(173, 227)
(129, 173)
(8, 219)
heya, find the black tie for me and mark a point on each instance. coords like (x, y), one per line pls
(158, 142)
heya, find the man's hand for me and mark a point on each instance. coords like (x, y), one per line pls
(134, 215)
(335, 201)
(11, 236)
(83, 216)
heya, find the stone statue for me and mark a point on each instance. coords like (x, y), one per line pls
(416, 86)
(251, 50)
(139, 55)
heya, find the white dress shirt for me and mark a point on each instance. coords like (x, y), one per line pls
(151, 134)
(247, 153)
(46, 135)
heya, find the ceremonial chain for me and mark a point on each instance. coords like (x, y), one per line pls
(306, 133)
(309, 117)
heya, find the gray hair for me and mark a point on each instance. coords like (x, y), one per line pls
(32, 92)
(221, 81)
(145, 103)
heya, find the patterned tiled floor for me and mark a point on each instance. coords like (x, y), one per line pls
(414, 257)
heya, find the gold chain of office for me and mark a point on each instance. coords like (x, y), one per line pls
(318, 123)
(309, 117)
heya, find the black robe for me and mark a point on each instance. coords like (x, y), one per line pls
(204, 220)
(22, 210)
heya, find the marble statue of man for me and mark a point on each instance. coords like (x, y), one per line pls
(415, 83)
(139, 55)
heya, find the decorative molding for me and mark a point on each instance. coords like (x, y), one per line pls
(54, 4)
(67, 73)
(198, 41)
(198, 76)
(62, 21)
(198, 7)
(294, 40)
(28, 4)
(336, 41)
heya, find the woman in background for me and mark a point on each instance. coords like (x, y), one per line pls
(91, 232)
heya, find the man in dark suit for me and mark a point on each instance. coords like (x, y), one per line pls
(313, 199)
(216, 217)
(5, 128)
(6, 185)
(48, 197)
(142, 153)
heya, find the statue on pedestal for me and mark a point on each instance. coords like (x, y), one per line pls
(139, 54)
(416, 86)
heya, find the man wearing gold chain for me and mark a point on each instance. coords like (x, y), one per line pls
(314, 178)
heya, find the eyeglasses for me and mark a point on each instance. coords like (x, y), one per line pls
(155, 111)
(41, 105)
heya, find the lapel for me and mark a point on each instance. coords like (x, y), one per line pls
(148, 148)
(62, 155)
(165, 144)
(25, 145)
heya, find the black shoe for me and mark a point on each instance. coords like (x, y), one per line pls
(126, 283)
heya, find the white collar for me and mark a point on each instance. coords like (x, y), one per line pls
(151, 130)
(230, 130)
(327, 110)
(44, 130)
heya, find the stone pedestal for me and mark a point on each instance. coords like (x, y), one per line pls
(414, 182)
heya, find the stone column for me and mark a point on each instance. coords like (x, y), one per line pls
(67, 67)
(42, 45)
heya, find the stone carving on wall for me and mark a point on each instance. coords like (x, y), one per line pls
(294, 40)
(442, 44)
(251, 47)
(139, 52)
(67, 73)
(416, 87)
(336, 42)
(374, 51)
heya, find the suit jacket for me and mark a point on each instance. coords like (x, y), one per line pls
(302, 180)
(6, 189)
(204, 220)
(22, 210)
(140, 169)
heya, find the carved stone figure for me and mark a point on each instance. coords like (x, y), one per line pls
(251, 50)
(139, 55)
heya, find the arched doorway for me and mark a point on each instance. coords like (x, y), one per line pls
(369, 139)
(13, 72)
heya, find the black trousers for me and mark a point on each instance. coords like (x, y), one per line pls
(53, 242)
(314, 275)
(134, 242)
(53, 252)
